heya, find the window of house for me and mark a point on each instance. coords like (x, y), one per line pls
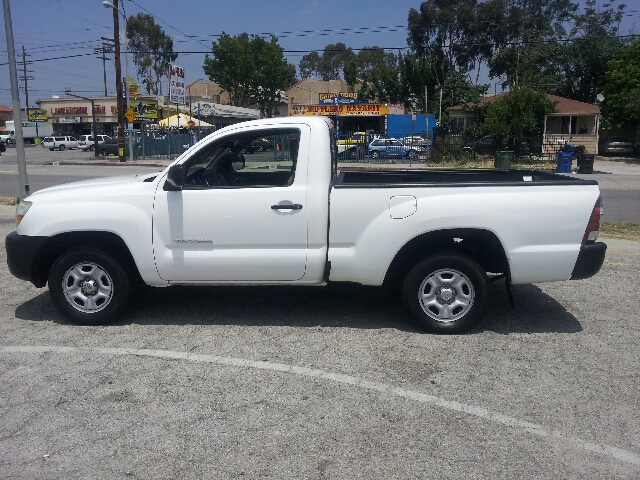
(568, 125)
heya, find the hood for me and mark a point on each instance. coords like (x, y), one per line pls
(96, 184)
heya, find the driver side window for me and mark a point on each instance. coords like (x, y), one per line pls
(260, 158)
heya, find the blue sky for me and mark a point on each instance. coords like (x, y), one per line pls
(65, 28)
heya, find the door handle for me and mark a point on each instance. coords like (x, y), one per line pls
(289, 206)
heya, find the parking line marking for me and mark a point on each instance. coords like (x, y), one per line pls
(505, 420)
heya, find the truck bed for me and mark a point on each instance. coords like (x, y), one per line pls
(384, 178)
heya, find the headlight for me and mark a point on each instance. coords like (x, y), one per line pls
(21, 210)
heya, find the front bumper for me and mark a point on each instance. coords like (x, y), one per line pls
(22, 255)
(590, 260)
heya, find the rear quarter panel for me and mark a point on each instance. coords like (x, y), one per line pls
(539, 227)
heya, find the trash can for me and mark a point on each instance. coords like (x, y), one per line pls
(503, 159)
(564, 162)
(585, 163)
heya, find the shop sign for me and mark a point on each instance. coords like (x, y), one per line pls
(350, 110)
(145, 110)
(37, 115)
(69, 120)
(338, 98)
(69, 110)
(176, 84)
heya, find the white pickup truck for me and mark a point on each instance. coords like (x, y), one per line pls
(287, 216)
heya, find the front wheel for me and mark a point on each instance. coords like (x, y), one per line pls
(9, 141)
(413, 154)
(375, 154)
(446, 293)
(88, 287)
(104, 152)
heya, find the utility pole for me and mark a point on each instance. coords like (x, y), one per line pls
(25, 79)
(106, 48)
(116, 42)
(17, 114)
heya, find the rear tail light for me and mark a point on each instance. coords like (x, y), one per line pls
(593, 227)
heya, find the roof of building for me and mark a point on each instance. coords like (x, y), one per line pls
(564, 106)
(4, 108)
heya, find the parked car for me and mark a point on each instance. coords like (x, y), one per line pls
(259, 145)
(617, 145)
(357, 137)
(490, 144)
(392, 147)
(60, 142)
(416, 140)
(86, 142)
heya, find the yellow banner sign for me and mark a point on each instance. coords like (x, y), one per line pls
(37, 115)
(145, 109)
(348, 110)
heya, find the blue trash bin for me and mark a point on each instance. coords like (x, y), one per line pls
(564, 161)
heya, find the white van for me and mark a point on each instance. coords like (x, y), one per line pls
(60, 142)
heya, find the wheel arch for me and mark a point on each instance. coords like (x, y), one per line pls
(482, 246)
(108, 242)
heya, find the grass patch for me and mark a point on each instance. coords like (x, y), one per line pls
(624, 231)
(4, 200)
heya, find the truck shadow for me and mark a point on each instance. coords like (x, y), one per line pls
(344, 305)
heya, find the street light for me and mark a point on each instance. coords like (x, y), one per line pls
(67, 91)
(126, 67)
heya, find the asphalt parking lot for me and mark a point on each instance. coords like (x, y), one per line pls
(321, 383)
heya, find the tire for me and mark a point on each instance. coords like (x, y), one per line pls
(413, 154)
(88, 287)
(91, 148)
(52, 149)
(61, 147)
(467, 152)
(446, 293)
(104, 152)
(353, 154)
(9, 141)
(375, 154)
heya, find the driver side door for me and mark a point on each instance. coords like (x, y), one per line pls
(250, 226)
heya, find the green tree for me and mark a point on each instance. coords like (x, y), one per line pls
(519, 113)
(310, 65)
(622, 87)
(594, 43)
(350, 73)
(526, 40)
(370, 58)
(328, 65)
(250, 69)
(152, 51)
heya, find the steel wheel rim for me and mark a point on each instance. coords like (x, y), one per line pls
(446, 295)
(87, 287)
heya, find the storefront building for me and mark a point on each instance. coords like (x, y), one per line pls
(73, 116)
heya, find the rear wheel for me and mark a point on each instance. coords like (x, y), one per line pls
(104, 152)
(413, 154)
(446, 293)
(88, 287)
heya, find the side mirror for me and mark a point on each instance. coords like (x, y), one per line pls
(175, 179)
(238, 163)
